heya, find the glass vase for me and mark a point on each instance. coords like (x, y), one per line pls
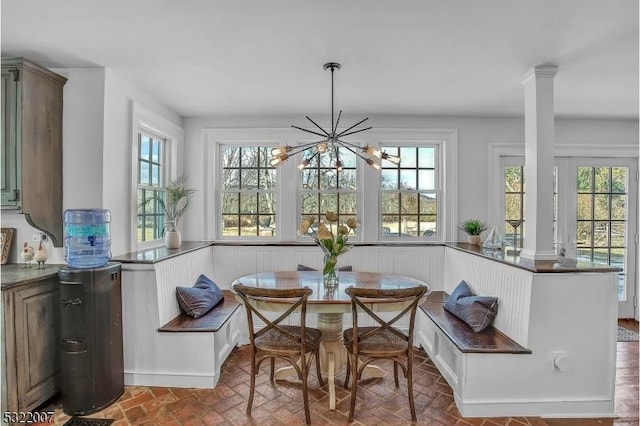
(330, 271)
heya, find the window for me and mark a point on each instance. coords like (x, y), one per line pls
(249, 200)
(514, 204)
(156, 147)
(409, 192)
(150, 223)
(248, 196)
(324, 188)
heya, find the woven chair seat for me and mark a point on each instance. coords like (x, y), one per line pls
(273, 340)
(382, 343)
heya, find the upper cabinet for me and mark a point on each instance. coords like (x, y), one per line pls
(32, 144)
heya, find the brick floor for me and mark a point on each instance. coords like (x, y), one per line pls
(379, 402)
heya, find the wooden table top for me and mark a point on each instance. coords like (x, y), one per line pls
(321, 295)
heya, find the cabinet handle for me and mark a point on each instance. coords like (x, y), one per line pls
(16, 195)
(67, 302)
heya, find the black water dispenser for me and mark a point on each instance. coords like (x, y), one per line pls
(91, 359)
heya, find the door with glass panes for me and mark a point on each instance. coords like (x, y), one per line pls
(595, 217)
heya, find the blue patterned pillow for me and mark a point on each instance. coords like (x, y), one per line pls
(476, 311)
(201, 298)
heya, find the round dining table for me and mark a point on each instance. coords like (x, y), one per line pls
(330, 304)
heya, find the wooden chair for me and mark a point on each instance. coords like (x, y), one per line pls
(382, 341)
(297, 344)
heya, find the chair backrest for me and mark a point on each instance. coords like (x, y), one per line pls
(289, 300)
(363, 298)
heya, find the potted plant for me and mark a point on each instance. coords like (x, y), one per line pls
(173, 203)
(474, 228)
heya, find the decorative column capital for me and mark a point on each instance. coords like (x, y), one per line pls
(544, 71)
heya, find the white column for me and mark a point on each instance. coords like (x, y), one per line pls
(539, 163)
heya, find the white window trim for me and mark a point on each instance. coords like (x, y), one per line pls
(368, 180)
(143, 119)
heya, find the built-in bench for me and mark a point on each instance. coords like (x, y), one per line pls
(489, 340)
(212, 321)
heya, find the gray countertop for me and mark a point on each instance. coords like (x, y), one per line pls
(13, 274)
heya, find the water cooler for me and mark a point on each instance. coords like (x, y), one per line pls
(91, 359)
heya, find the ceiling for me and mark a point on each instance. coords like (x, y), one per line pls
(408, 57)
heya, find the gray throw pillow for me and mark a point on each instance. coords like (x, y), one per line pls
(345, 268)
(476, 311)
(201, 298)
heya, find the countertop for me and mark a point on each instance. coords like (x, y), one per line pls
(14, 274)
(560, 265)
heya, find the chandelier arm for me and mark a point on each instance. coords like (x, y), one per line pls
(316, 124)
(308, 131)
(346, 130)
(349, 148)
(335, 127)
(357, 131)
(302, 148)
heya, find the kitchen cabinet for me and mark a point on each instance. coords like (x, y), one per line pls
(32, 144)
(31, 333)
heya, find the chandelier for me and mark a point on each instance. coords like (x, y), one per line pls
(331, 141)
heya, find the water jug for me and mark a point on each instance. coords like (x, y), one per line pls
(87, 237)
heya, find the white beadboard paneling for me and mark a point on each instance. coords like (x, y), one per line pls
(180, 271)
(422, 262)
(512, 287)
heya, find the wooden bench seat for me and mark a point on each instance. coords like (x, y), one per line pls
(212, 321)
(490, 340)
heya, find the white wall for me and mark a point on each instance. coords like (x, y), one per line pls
(96, 152)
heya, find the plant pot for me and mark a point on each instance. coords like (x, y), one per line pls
(475, 240)
(172, 239)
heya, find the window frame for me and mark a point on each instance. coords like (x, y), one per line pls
(289, 182)
(438, 178)
(219, 191)
(147, 121)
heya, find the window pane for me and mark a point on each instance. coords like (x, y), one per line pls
(328, 202)
(584, 254)
(619, 180)
(408, 157)
(310, 178)
(585, 179)
(513, 206)
(618, 207)
(389, 179)
(390, 203)
(426, 179)
(428, 225)
(618, 230)
(249, 225)
(249, 156)
(267, 178)
(248, 202)
(583, 232)
(410, 225)
(155, 175)
(584, 206)
(347, 205)
(409, 204)
(230, 157)
(230, 225)
(601, 207)
(310, 204)
(426, 157)
(328, 179)
(428, 204)
(347, 179)
(230, 203)
(601, 179)
(600, 234)
(408, 179)
(513, 178)
(249, 178)
(390, 225)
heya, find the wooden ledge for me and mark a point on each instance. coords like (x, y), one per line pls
(490, 340)
(212, 321)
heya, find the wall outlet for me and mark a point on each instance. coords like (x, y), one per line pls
(559, 361)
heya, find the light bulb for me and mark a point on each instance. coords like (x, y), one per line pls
(339, 165)
(280, 150)
(321, 147)
(371, 151)
(393, 158)
(372, 163)
(304, 164)
(280, 158)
